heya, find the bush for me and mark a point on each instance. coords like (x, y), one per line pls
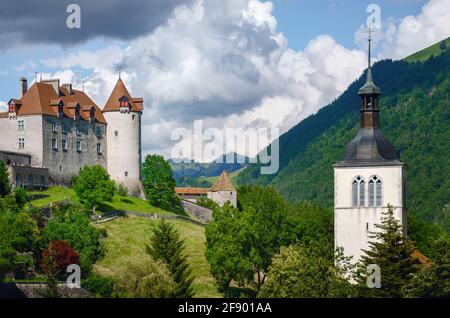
(64, 255)
(21, 197)
(144, 280)
(94, 186)
(207, 203)
(99, 286)
(122, 190)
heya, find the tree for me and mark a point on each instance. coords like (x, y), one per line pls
(74, 226)
(62, 253)
(147, 279)
(159, 184)
(434, 279)
(94, 186)
(167, 246)
(306, 270)
(5, 187)
(50, 267)
(392, 252)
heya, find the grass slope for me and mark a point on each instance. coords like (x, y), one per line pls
(126, 243)
(434, 50)
(58, 194)
(233, 176)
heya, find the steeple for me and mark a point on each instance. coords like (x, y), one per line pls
(369, 146)
(369, 94)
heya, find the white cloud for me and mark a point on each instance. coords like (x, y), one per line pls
(401, 38)
(223, 62)
(3, 106)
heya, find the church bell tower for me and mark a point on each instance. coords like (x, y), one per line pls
(368, 179)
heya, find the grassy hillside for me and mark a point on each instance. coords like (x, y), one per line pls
(58, 194)
(126, 243)
(233, 176)
(415, 116)
(434, 50)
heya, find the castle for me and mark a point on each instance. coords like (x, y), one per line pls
(221, 192)
(52, 131)
(368, 179)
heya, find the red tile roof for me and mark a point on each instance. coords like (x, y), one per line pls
(42, 99)
(191, 191)
(119, 91)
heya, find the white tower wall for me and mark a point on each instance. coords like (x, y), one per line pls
(353, 224)
(124, 149)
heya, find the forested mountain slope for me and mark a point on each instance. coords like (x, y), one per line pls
(415, 117)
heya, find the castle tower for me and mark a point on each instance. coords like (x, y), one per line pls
(223, 191)
(368, 179)
(123, 114)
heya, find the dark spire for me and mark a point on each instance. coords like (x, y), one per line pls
(369, 87)
(369, 147)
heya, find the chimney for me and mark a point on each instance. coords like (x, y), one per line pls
(54, 83)
(68, 87)
(23, 86)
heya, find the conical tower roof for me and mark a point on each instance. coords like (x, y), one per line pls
(119, 91)
(223, 183)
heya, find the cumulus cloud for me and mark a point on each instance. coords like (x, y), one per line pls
(223, 62)
(32, 21)
(400, 38)
(3, 106)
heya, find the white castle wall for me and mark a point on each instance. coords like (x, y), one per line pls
(124, 149)
(32, 134)
(222, 197)
(351, 223)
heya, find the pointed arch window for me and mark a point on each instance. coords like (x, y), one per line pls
(375, 192)
(359, 192)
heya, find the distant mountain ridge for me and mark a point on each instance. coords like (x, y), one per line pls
(186, 173)
(415, 117)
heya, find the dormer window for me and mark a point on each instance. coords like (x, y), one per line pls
(92, 114)
(60, 109)
(124, 104)
(13, 108)
(77, 111)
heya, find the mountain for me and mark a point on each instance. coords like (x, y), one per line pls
(415, 117)
(187, 174)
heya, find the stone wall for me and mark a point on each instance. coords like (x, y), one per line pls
(201, 213)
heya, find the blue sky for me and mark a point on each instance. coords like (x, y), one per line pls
(303, 20)
(232, 64)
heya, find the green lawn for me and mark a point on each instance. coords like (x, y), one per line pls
(126, 243)
(434, 50)
(58, 194)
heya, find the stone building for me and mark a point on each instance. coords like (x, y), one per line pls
(368, 179)
(61, 130)
(221, 192)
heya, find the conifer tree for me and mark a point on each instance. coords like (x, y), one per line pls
(390, 250)
(5, 188)
(434, 279)
(167, 246)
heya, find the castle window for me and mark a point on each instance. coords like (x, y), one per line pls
(60, 168)
(64, 127)
(30, 180)
(358, 192)
(54, 127)
(20, 125)
(21, 143)
(116, 133)
(126, 173)
(375, 192)
(54, 144)
(64, 144)
(99, 148)
(133, 117)
(77, 129)
(42, 181)
(78, 145)
(99, 131)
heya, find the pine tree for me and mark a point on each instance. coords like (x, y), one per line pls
(167, 246)
(434, 280)
(5, 188)
(390, 250)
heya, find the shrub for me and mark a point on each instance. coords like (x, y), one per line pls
(99, 286)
